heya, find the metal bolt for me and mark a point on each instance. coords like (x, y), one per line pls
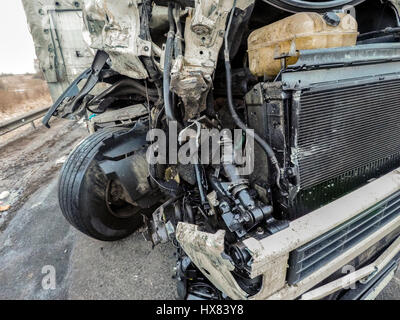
(260, 230)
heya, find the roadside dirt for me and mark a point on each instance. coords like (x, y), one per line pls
(20, 94)
(31, 159)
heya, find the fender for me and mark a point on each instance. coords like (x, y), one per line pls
(123, 157)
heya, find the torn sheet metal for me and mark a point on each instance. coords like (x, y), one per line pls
(191, 77)
(114, 27)
(206, 250)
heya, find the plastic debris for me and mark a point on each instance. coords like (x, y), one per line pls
(4, 207)
(4, 195)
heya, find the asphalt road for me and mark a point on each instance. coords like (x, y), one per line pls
(39, 236)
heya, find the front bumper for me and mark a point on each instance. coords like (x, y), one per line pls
(371, 289)
(270, 255)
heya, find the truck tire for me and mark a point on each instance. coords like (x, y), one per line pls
(83, 194)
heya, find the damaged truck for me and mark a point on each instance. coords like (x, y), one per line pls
(306, 92)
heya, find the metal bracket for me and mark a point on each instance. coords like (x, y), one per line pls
(92, 75)
(71, 91)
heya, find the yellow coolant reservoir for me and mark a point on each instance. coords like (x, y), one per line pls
(301, 31)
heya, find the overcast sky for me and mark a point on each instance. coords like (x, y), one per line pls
(17, 52)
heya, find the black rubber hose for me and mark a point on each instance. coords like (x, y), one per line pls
(199, 179)
(267, 148)
(169, 112)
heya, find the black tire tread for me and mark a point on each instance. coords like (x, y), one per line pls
(71, 177)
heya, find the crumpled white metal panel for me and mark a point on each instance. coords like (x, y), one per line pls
(114, 27)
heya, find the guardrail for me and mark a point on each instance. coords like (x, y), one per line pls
(16, 123)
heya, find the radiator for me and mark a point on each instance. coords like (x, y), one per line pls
(348, 131)
(334, 128)
(343, 137)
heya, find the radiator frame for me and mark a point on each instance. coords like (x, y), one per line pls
(298, 83)
(273, 110)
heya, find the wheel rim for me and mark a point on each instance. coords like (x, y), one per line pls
(116, 205)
